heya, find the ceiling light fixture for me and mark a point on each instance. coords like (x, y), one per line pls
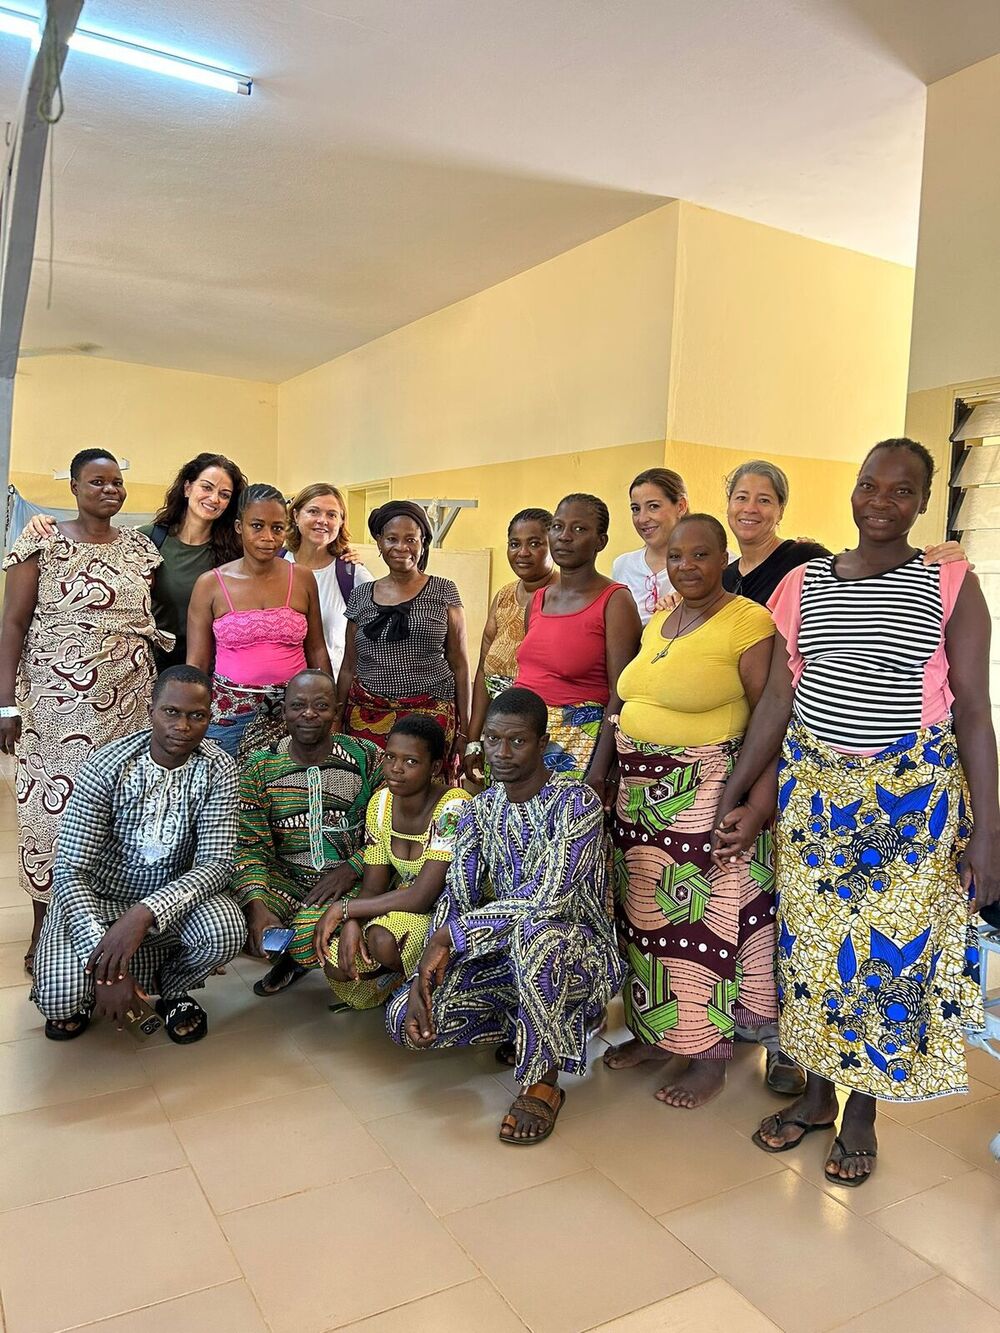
(21, 24)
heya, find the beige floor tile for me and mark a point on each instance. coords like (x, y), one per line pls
(8, 836)
(45, 1073)
(983, 1066)
(77, 1146)
(284, 1145)
(228, 1309)
(12, 971)
(911, 1113)
(15, 925)
(8, 860)
(968, 1132)
(938, 1305)
(377, 1078)
(819, 1243)
(714, 1307)
(380, 1247)
(545, 1251)
(473, 1305)
(232, 1007)
(18, 1016)
(663, 1157)
(956, 1227)
(118, 1249)
(907, 1165)
(453, 1158)
(226, 1071)
(11, 893)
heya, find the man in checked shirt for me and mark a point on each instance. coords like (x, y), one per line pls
(144, 854)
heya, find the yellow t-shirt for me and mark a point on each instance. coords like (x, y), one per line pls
(693, 695)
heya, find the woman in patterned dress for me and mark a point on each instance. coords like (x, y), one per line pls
(529, 557)
(699, 938)
(879, 690)
(76, 657)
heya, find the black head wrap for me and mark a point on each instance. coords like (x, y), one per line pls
(378, 518)
(393, 622)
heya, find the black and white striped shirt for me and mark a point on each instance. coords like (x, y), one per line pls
(865, 644)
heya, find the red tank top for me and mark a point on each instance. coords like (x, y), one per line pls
(562, 658)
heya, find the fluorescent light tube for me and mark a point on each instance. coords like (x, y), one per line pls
(20, 24)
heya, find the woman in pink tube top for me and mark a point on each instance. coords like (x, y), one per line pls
(254, 624)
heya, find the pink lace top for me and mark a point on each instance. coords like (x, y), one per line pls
(262, 647)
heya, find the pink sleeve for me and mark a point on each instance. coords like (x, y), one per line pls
(952, 577)
(938, 697)
(786, 608)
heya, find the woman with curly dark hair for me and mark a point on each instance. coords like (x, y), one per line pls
(194, 532)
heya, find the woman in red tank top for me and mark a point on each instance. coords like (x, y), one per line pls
(581, 633)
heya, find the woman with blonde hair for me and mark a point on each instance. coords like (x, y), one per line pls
(318, 539)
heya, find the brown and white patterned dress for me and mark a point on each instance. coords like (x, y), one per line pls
(85, 676)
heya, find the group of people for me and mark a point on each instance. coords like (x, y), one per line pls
(755, 791)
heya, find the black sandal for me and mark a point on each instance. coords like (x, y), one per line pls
(286, 972)
(845, 1153)
(67, 1034)
(176, 1012)
(780, 1121)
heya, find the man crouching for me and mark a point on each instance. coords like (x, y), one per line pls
(144, 853)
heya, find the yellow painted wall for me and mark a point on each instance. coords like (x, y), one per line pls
(784, 345)
(569, 356)
(155, 418)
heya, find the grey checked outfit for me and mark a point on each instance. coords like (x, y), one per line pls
(135, 832)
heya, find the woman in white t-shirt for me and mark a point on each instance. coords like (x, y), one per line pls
(318, 539)
(658, 500)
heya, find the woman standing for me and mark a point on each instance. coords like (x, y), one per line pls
(372, 943)
(318, 539)
(878, 856)
(699, 937)
(253, 624)
(194, 530)
(581, 632)
(529, 557)
(657, 499)
(76, 662)
(405, 650)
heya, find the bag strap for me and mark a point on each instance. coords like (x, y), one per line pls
(159, 535)
(345, 577)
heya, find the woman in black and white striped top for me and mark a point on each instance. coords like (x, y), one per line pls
(882, 698)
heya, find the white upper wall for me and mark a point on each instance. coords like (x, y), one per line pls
(956, 314)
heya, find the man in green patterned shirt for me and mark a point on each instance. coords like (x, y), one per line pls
(301, 819)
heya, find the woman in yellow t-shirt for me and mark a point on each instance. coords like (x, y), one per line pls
(699, 937)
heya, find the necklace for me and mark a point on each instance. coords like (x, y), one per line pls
(683, 629)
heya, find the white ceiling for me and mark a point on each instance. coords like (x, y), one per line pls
(398, 155)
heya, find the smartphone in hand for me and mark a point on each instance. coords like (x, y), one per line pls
(276, 939)
(142, 1020)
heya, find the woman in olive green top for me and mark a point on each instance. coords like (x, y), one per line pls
(194, 532)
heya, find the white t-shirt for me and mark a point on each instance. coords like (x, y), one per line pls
(332, 607)
(648, 589)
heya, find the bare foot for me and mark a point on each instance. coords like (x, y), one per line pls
(700, 1082)
(632, 1053)
(852, 1158)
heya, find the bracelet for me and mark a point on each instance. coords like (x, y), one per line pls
(345, 908)
(474, 747)
(9, 712)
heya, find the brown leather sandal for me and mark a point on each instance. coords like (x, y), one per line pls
(543, 1100)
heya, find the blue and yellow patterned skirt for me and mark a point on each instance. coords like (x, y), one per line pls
(878, 961)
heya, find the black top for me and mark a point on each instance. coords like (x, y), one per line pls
(760, 583)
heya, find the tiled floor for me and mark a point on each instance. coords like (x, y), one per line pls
(298, 1173)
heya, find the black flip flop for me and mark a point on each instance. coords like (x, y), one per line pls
(175, 1012)
(845, 1153)
(64, 1034)
(286, 971)
(506, 1054)
(781, 1122)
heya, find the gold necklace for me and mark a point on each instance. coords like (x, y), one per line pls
(683, 629)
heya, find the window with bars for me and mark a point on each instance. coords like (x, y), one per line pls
(974, 508)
